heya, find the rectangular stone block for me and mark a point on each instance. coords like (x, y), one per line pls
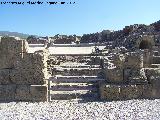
(13, 46)
(154, 80)
(147, 58)
(39, 93)
(11, 51)
(7, 93)
(156, 60)
(134, 60)
(114, 75)
(125, 92)
(131, 92)
(8, 60)
(135, 75)
(4, 63)
(31, 93)
(5, 76)
(109, 92)
(22, 93)
(31, 61)
(28, 76)
(153, 75)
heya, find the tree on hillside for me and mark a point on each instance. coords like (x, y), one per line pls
(31, 39)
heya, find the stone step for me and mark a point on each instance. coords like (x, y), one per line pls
(76, 66)
(77, 72)
(72, 88)
(76, 80)
(155, 65)
(73, 92)
(74, 84)
(87, 96)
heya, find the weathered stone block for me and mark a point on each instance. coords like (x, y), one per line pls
(32, 61)
(155, 82)
(125, 92)
(119, 60)
(133, 60)
(7, 92)
(156, 60)
(13, 46)
(147, 58)
(32, 69)
(8, 60)
(22, 93)
(131, 92)
(109, 92)
(31, 93)
(28, 76)
(153, 75)
(5, 76)
(135, 75)
(11, 51)
(4, 62)
(114, 75)
(39, 93)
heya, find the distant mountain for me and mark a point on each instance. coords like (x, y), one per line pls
(16, 34)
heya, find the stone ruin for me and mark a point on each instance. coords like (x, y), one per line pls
(124, 36)
(22, 75)
(115, 73)
(124, 73)
(136, 74)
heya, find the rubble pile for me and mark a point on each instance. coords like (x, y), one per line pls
(22, 74)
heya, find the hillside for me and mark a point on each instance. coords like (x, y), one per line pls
(16, 34)
(121, 37)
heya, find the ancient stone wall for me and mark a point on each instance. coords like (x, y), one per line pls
(132, 79)
(22, 74)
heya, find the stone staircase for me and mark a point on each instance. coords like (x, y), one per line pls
(74, 87)
(74, 81)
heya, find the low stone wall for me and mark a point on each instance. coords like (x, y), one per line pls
(124, 92)
(15, 92)
(22, 75)
(131, 79)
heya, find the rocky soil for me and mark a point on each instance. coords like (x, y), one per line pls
(73, 110)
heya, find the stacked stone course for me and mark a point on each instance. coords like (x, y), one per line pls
(22, 74)
(132, 79)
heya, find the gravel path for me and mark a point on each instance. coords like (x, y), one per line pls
(59, 110)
